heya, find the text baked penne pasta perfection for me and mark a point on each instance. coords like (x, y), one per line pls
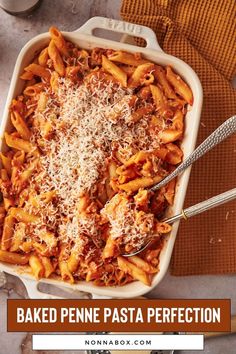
(92, 130)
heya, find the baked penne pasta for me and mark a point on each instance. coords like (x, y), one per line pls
(56, 58)
(36, 266)
(91, 131)
(13, 258)
(114, 70)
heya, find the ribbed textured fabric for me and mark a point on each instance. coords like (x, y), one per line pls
(203, 34)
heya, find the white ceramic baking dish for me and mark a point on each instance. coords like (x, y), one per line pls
(84, 38)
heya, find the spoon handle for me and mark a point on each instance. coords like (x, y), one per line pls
(204, 206)
(221, 133)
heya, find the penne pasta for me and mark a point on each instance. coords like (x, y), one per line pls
(23, 216)
(114, 70)
(142, 182)
(38, 70)
(56, 58)
(19, 144)
(179, 85)
(65, 273)
(59, 41)
(7, 234)
(36, 266)
(20, 125)
(6, 162)
(139, 75)
(133, 270)
(13, 258)
(47, 265)
(43, 57)
(127, 58)
(91, 132)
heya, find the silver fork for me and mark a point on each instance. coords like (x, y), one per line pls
(222, 132)
(191, 211)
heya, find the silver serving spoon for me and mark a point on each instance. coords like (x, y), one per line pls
(222, 132)
(193, 210)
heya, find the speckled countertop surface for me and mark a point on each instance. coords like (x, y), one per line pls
(69, 15)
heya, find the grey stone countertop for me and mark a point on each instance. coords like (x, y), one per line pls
(70, 15)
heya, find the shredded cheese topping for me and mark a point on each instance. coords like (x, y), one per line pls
(89, 120)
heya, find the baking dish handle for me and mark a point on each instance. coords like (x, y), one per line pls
(35, 293)
(121, 27)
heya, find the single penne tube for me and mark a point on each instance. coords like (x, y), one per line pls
(27, 76)
(23, 216)
(18, 158)
(54, 81)
(56, 58)
(18, 237)
(18, 181)
(73, 261)
(139, 74)
(34, 90)
(13, 258)
(42, 102)
(140, 263)
(115, 71)
(18, 143)
(8, 231)
(36, 266)
(160, 75)
(178, 121)
(43, 57)
(6, 162)
(110, 248)
(127, 58)
(41, 248)
(49, 238)
(48, 267)
(170, 135)
(20, 125)
(133, 270)
(142, 182)
(65, 273)
(38, 70)
(179, 85)
(137, 158)
(174, 155)
(59, 41)
(160, 101)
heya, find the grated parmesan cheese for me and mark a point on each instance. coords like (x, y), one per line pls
(87, 121)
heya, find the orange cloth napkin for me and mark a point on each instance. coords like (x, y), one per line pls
(202, 33)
